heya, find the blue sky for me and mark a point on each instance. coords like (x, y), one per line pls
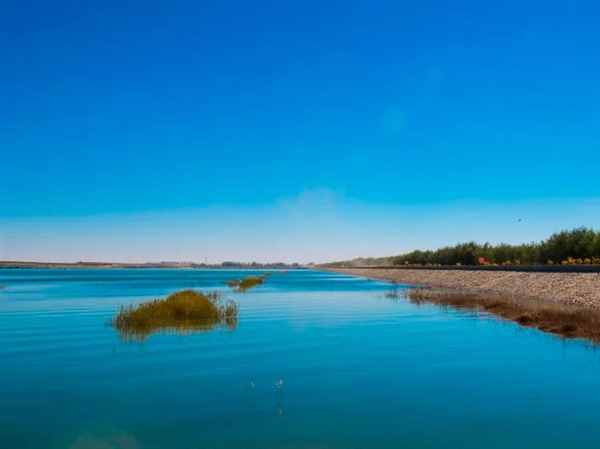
(293, 130)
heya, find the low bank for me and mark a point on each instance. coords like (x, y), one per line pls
(582, 289)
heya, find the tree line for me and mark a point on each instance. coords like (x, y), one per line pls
(577, 246)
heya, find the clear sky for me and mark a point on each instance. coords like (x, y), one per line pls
(284, 130)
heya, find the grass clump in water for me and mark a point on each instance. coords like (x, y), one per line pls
(183, 311)
(566, 320)
(241, 285)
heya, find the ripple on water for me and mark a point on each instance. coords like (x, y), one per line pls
(317, 360)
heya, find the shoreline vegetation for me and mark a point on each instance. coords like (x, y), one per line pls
(242, 285)
(566, 304)
(553, 285)
(181, 312)
(580, 246)
(564, 320)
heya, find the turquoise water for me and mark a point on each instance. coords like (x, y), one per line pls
(317, 361)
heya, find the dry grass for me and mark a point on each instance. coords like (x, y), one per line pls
(182, 311)
(241, 285)
(566, 320)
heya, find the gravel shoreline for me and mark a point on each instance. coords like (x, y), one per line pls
(581, 289)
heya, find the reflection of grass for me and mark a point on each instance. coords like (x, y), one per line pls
(394, 293)
(566, 320)
(241, 285)
(182, 311)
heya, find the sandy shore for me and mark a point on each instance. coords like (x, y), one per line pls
(569, 288)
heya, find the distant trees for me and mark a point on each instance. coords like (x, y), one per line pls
(577, 246)
(581, 243)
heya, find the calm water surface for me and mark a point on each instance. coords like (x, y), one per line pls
(317, 361)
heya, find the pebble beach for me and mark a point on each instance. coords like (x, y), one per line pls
(581, 289)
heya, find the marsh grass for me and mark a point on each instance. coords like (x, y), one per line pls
(180, 312)
(242, 285)
(565, 320)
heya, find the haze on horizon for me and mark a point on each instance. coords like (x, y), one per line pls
(293, 131)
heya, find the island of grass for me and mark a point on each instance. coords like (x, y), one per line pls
(241, 285)
(182, 311)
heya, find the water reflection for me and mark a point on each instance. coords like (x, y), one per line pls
(279, 405)
(114, 439)
(394, 292)
(178, 328)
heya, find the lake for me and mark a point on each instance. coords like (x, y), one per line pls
(318, 360)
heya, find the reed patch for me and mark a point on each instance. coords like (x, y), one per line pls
(181, 312)
(242, 285)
